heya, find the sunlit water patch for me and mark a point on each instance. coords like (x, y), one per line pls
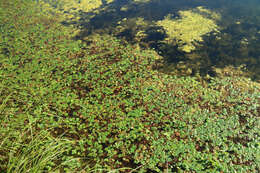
(194, 37)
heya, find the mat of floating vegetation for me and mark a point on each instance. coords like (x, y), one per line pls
(103, 95)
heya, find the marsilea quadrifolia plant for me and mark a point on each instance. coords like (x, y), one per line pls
(98, 105)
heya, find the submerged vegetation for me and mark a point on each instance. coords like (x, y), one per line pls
(99, 105)
(189, 29)
(70, 9)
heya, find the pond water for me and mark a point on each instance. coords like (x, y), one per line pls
(194, 37)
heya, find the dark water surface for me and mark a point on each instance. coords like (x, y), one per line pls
(236, 45)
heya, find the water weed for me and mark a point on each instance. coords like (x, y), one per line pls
(97, 105)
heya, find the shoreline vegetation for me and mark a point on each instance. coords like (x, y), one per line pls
(99, 105)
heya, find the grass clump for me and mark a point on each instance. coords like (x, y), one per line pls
(21, 152)
(103, 96)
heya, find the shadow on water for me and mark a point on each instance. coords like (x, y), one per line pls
(237, 44)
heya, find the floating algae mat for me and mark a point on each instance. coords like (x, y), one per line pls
(193, 37)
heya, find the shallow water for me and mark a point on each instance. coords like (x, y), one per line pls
(237, 44)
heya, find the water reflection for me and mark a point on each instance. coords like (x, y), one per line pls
(237, 44)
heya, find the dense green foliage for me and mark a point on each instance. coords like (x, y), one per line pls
(102, 104)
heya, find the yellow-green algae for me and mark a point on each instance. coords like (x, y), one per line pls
(188, 30)
(70, 8)
(84, 5)
(141, 1)
(137, 25)
(132, 4)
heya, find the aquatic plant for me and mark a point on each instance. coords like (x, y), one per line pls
(141, 1)
(84, 5)
(72, 8)
(132, 28)
(102, 98)
(188, 30)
